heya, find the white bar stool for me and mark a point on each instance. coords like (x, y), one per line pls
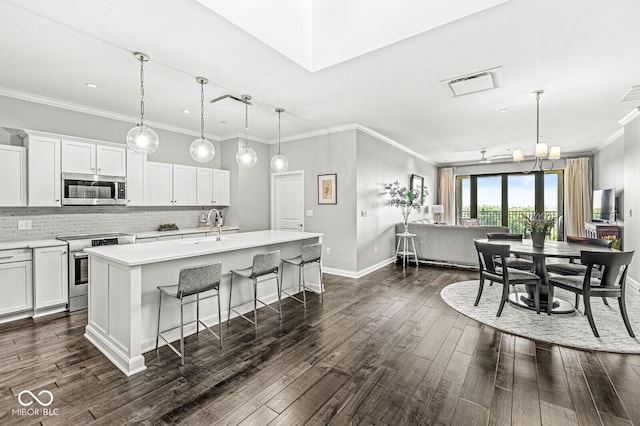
(310, 254)
(192, 280)
(264, 265)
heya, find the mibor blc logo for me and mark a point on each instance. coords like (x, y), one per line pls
(42, 400)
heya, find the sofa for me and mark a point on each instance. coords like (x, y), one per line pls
(448, 244)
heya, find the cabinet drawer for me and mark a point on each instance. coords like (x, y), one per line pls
(16, 255)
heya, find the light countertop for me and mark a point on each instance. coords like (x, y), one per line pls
(153, 234)
(160, 251)
(12, 245)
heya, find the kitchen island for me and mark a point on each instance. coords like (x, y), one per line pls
(123, 280)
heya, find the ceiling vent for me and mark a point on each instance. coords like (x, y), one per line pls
(476, 82)
(229, 102)
(632, 95)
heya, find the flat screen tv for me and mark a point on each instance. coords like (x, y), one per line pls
(604, 208)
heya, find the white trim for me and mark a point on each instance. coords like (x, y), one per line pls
(611, 139)
(358, 274)
(629, 117)
(30, 97)
(129, 366)
(347, 127)
(240, 135)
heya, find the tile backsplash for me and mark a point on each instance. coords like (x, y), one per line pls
(69, 220)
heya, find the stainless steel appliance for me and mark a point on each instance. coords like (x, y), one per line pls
(79, 262)
(90, 190)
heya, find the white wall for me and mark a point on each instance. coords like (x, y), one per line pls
(249, 205)
(631, 190)
(609, 172)
(330, 153)
(379, 164)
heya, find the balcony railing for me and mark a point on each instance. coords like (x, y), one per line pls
(515, 219)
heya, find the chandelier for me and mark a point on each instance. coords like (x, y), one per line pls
(542, 151)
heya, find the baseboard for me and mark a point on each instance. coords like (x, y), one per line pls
(361, 273)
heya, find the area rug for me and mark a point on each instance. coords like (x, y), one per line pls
(562, 329)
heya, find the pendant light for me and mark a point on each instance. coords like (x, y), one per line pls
(541, 150)
(141, 138)
(201, 149)
(279, 162)
(246, 157)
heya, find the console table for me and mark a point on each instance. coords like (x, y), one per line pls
(600, 230)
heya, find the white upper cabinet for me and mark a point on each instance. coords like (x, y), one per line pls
(78, 157)
(221, 187)
(135, 178)
(184, 185)
(90, 158)
(13, 175)
(204, 187)
(110, 160)
(50, 282)
(158, 184)
(43, 175)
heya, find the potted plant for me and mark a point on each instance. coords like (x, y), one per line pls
(406, 199)
(538, 225)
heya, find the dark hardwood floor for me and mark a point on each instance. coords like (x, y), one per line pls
(384, 349)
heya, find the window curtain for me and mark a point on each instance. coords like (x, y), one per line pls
(577, 195)
(445, 194)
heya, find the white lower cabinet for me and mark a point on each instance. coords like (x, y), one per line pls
(50, 277)
(15, 281)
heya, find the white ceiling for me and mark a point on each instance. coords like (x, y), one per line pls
(582, 53)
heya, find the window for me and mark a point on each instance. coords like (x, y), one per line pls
(504, 199)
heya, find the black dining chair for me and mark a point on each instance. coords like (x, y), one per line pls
(572, 267)
(490, 270)
(587, 286)
(517, 262)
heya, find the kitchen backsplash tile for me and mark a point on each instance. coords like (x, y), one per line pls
(69, 220)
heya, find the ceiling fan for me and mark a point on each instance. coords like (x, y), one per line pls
(488, 159)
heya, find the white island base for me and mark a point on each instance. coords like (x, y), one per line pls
(123, 295)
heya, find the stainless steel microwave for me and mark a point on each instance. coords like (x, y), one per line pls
(93, 190)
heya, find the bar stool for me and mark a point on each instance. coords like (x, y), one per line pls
(310, 254)
(264, 265)
(192, 280)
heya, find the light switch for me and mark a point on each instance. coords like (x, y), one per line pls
(309, 213)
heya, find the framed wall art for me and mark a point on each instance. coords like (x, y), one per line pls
(327, 189)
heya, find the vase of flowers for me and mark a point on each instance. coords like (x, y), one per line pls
(539, 226)
(406, 199)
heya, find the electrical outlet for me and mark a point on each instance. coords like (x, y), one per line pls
(375, 248)
(24, 225)
(328, 250)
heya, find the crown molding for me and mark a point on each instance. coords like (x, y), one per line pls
(347, 127)
(240, 135)
(43, 100)
(627, 118)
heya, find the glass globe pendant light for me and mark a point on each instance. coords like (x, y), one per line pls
(141, 138)
(246, 157)
(279, 162)
(201, 149)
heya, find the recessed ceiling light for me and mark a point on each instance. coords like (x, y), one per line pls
(92, 85)
(503, 110)
(223, 122)
(186, 111)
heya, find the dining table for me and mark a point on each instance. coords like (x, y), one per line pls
(540, 255)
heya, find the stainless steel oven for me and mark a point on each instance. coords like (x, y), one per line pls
(91, 190)
(79, 263)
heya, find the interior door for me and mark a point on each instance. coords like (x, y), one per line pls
(287, 202)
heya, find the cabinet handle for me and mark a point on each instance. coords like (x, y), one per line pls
(64, 252)
(57, 200)
(99, 169)
(6, 257)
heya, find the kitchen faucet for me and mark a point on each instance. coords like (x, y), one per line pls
(218, 221)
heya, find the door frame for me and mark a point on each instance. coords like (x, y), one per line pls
(273, 195)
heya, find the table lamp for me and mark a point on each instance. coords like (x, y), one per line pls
(437, 210)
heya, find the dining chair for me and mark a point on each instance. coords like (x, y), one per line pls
(573, 268)
(491, 270)
(517, 262)
(611, 263)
